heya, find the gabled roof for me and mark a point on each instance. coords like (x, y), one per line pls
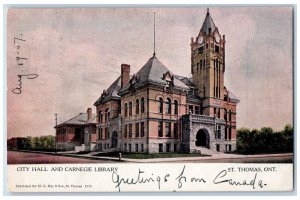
(153, 72)
(80, 119)
(208, 24)
(111, 92)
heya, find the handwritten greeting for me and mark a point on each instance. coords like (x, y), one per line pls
(21, 64)
(221, 178)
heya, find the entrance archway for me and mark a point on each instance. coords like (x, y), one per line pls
(202, 138)
(114, 140)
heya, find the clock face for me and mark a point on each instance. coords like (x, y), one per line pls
(200, 39)
(218, 38)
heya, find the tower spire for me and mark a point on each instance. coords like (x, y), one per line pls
(154, 36)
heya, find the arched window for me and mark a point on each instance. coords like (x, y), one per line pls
(137, 106)
(168, 107)
(175, 107)
(142, 105)
(160, 105)
(125, 109)
(100, 116)
(200, 66)
(107, 115)
(130, 108)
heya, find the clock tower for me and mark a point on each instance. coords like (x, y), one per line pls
(208, 67)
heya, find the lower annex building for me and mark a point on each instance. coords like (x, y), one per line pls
(156, 110)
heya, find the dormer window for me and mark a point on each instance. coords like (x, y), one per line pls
(134, 79)
(168, 77)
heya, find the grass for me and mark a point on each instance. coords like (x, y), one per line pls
(153, 155)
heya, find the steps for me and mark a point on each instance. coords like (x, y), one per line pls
(206, 151)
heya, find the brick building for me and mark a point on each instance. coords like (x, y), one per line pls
(78, 133)
(156, 110)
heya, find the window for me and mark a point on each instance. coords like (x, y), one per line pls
(130, 130)
(129, 146)
(219, 113)
(130, 108)
(142, 147)
(106, 115)
(100, 116)
(229, 136)
(175, 147)
(218, 147)
(217, 49)
(175, 130)
(200, 66)
(201, 49)
(160, 148)
(125, 109)
(230, 115)
(168, 108)
(168, 129)
(219, 131)
(142, 105)
(225, 114)
(160, 131)
(106, 133)
(168, 147)
(225, 133)
(125, 130)
(136, 147)
(197, 110)
(137, 106)
(197, 66)
(125, 147)
(191, 109)
(142, 129)
(137, 130)
(229, 147)
(160, 105)
(100, 134)
(175, 107)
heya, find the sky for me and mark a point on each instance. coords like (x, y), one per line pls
(77, 52)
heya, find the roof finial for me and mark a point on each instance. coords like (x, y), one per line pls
(154, 37)
(207, 10)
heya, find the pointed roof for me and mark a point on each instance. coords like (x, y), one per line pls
(208, 24)
(153, 72)
(111, 92)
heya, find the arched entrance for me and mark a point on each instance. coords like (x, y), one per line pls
(202, 138)
(114, 140)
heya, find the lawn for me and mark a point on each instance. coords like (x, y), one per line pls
(153, 155)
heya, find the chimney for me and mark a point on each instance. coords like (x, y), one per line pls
(89, 113)
(125, 74)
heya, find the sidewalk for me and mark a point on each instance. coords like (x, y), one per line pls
(160, 160)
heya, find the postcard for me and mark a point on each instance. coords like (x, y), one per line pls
(150, 99)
